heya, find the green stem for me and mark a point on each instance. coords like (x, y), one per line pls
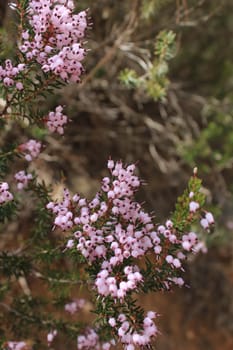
(4, 155)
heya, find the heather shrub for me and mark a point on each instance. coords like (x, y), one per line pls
(108, 245)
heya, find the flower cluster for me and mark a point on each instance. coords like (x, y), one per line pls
(55, 121)
(10, 74)
(64, 216)
(74, 306)
(5, 195)
(30, 149)
(51, 335)
(108, 285)
(56, 40)
(22, 179)
(111, 231)
(126, 230)
(90, 340)
(113, 227)
(133, 339)
(13, 345)
(207, 221)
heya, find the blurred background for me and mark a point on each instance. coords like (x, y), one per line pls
(158, 91)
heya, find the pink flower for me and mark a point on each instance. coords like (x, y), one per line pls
(10, 74)
(51, 335)
(55, 121)
(193, 206)
(74, 306)
(14, 345)
(22, 179)
(209, 217)
(19, 86)
(30, 149)
(90, 340)
(204, 223)
(5, 195)
(55, 39)
(112, 322)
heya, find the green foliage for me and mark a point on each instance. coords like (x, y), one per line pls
(129, 78)
(214, 146)
(13, 265)
(27, 319)
(165, 45)
(153, 275)
(182, 217)
(107, 307)
(43, 218)
(7, 48)
(151, 7)
(38, 133)
(7, 211)
(7, 155)
(155, 80)
(4, 289)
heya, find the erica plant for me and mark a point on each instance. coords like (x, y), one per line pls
(108, 245)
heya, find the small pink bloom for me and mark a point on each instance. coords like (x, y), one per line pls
(193, 206)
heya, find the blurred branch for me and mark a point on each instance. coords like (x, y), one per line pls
(60, 280)
(123, 34)
(184, 12)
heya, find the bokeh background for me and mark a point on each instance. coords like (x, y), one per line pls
(191, 125)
